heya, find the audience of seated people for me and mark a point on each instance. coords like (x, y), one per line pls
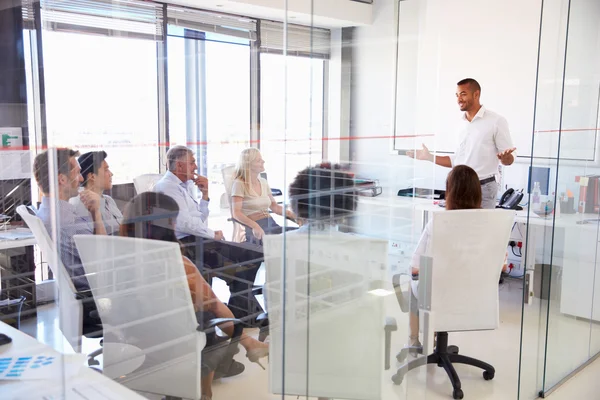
(97, 177)
(60, 188)
(151, 216)
(205, 247)
(252, 199)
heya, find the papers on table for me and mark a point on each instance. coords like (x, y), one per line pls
(40, 366)
(15, 234)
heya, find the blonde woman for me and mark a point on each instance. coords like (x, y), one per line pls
(252, 199)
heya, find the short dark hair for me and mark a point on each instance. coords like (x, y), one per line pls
(90, 163)
(41, 170)
(322, 192)
(149, 215)
(463, 189)
(473, 84)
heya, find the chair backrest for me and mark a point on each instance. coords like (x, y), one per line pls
(326, 325)
(145, 182)
(143, 299)
(228, 172)
(467, 253)
(70, 309)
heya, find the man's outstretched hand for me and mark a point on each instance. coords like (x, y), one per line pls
(506, 157)
(422, 154)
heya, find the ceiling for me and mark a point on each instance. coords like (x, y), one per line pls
(324, 14)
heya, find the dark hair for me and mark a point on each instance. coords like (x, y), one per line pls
(473, 84)
(90, 163)
(323, 191)
(463, 189)
(150, 215)
(41, 170)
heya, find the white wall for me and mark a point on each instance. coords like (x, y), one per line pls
(508, 83)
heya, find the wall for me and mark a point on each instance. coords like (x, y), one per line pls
(373, 83)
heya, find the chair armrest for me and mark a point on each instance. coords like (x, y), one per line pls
(238, 327)
(401, 296)
(390, 326)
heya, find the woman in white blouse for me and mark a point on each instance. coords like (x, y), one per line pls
(252, 199)
(463, 191)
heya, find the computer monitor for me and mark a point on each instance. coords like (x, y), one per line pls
(541, 175)
(13, 193)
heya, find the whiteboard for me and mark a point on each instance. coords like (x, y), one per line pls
(494, 41)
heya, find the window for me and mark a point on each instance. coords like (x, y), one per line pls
(209, 99)
(292, 118)
(101, 93)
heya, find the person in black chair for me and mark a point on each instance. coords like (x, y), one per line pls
(236, 263)
(68, 179)
(151, 216)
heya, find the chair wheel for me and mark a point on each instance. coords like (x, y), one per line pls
(397, 378)
(488, 376)
(453, 349)
(401, 356)
(457, 394)
(93, 361)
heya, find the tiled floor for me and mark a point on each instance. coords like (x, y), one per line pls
(500, 348)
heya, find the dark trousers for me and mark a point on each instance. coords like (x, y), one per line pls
(235, 263)
(269, 226)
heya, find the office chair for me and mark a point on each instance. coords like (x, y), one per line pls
(153, 340)
(145, 182)
(327, 327)
(458, 286)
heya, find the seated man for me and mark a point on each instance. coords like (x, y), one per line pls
(204, 246)
(69, 223)
(97, 177)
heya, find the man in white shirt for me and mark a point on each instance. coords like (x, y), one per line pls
(204, 246)
(97, 177)
(485, 141)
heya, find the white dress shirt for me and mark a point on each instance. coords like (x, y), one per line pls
(480, 142)
(111, 215)
(193, 213)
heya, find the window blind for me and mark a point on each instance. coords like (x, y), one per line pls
(302, 41)
(205, 21)
(131, 18)
(28, 14)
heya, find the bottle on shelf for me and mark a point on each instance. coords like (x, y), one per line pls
(536, 197)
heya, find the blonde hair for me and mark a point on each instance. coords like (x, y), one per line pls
(243, 168)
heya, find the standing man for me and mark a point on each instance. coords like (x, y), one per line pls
(485, 141)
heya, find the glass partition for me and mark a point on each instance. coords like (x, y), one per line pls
(298, 233)
(562, 245)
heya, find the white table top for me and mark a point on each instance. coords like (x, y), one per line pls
(86, 383)
(6, 244)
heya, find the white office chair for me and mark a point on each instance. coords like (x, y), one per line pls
(146, 308)
(323, 315)
(70, 308)
(458, 285)
(145, 182)
(239, 229)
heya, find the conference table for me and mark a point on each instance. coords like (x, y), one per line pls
(67, 378)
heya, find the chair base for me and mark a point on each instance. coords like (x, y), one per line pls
(444, 356)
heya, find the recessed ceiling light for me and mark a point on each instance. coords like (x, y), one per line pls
(219, 5)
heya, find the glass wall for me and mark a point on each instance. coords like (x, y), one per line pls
(562, 248)
(330, 257)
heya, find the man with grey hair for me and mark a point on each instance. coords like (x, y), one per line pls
(204, 246)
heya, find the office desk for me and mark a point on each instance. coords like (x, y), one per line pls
(91, 384)
(6, 244)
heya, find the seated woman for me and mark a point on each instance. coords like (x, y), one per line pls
(251, 198)
(463, 191)
(160, 226)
